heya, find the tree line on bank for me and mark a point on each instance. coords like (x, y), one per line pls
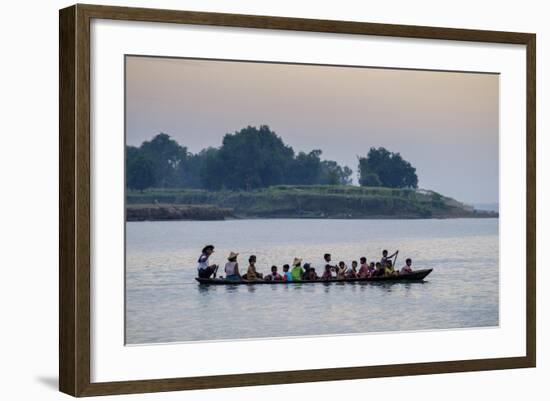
(254, 158)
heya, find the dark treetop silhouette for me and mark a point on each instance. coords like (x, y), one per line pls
(255, 158)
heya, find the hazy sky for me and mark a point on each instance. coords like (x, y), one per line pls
(444, 123)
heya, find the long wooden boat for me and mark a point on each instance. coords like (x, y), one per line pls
(417, 275)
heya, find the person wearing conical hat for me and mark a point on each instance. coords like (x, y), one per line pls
(232, 267)
(297, 270)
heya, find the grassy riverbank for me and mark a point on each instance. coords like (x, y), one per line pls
(322, 201)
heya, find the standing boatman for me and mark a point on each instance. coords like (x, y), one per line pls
(327, 257)
(386, 257)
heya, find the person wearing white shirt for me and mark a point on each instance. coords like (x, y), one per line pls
(326, 262)
(204, 270)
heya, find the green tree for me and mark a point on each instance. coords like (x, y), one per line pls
(392, 170)
(334, 174)
(168, 158)
(132, 153)
(370, 180)
(248, 159)
(210, 170)
(305, 169)
(140, 173)
(189, 171)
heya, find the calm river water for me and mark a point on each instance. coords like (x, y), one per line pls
(165, 304)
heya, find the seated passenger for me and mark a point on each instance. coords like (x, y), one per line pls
(352, 273)
(232, 268)
(286, 274)
(274, 275)
(389, 270)
(364, 269)
(327, 274)
(251, 273)
(408, 267)
(342, 268)
(297, 270)
(379, 270)
(372, 269)
(307, 266)
(204, 270)
(311, 275)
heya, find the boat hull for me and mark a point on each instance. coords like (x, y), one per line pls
(417, 275)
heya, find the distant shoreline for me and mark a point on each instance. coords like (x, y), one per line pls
(297, 202)
(176, 212)
(230, 218)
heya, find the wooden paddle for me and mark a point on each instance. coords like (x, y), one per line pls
(216, 270)
(395, 259)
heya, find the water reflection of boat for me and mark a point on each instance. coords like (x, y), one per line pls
(417, 275)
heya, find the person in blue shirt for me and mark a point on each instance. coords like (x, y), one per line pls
(286, 273)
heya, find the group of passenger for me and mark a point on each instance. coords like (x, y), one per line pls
(305, 272)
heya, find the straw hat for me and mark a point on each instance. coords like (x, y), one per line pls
(232, 255)
(296, 261)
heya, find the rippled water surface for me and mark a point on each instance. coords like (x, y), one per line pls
(165, 304)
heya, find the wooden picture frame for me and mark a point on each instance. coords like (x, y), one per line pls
(74, 199)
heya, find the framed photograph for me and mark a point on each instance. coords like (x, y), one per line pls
(250, 200)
